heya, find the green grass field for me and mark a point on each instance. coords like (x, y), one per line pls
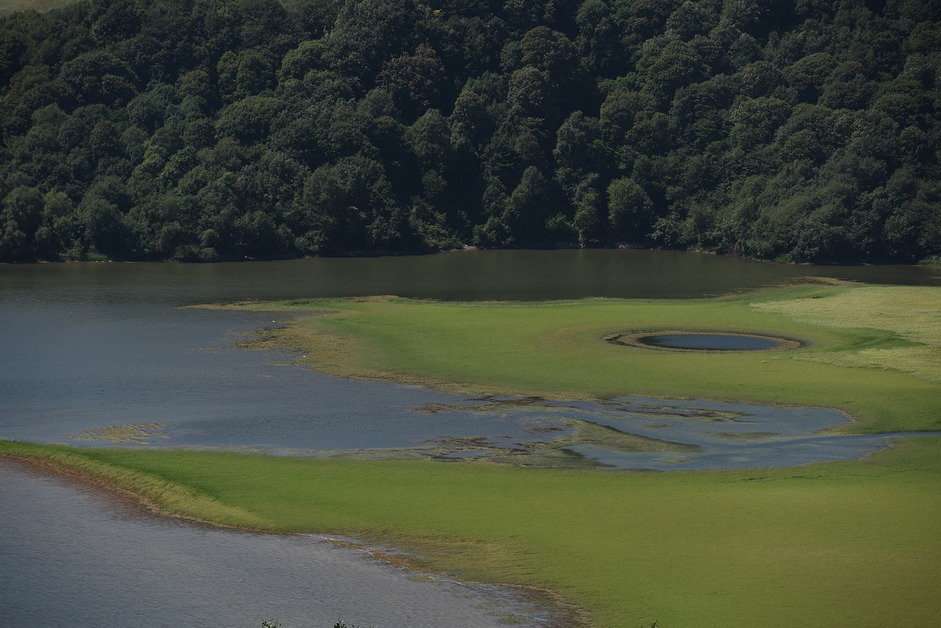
(835, 544)
(847, 544)
(878, 362)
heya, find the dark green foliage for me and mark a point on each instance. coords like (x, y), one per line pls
(232, 129)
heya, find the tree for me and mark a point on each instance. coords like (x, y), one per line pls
(367, 32)
(550, 51)
(415, 81)
(19, 220)
(754, 121)
(630, 210)
(578, 143)
(677, 64)
(588, 222)
(691, 19)
(528, 207)
(249, 119)
(99, 77)
(531, 93)
(808, 75)
(620, 107)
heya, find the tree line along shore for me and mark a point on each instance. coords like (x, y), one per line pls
(229, 129)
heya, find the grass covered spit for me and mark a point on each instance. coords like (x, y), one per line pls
(865, 354)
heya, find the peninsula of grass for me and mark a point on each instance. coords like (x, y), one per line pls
(873, 352)
(830, 544)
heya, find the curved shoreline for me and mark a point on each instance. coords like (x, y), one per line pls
(342, 337)
(566, 614)
(446, 514)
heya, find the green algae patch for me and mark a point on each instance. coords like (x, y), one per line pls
(823, 544)
(557, 350)
(134, 434)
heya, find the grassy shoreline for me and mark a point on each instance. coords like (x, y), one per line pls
(828, 543)
(861, 354)
(839, 543)
(167, 499)
(153, 493)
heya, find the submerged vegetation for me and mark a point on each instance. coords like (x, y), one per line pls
(859, 357)
(226, 129)
(135, 434)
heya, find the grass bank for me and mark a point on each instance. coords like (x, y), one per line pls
(824, 544)
(874, 352)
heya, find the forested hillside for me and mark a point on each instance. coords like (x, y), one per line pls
(802, 130)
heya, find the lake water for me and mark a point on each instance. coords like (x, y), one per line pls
(73, 556)
(86, 348)
(470, 275)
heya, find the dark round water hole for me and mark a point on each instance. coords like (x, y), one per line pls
(709, 342)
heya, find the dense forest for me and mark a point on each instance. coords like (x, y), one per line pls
(799, 130)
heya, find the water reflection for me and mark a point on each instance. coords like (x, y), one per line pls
(470, 275)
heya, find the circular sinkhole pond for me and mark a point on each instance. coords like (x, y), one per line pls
(679, 340)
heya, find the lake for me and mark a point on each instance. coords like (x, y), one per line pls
(99, 354)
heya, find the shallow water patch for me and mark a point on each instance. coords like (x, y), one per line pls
(693, 340)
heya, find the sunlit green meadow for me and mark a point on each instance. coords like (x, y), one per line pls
(879, 366)
(834, 544)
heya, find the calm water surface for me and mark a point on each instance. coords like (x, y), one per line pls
(470, 275)
(76, 557)
(86, 347)
(709, 342)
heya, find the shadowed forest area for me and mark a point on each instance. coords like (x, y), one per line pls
(797, 130)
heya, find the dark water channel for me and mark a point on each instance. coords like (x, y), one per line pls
(709, 342)
(102, 355)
